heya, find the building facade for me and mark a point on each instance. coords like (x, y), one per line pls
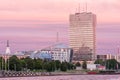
(55, 52)
(62, 54)
(41, 54)
(84, 53)
(102, 57)
(82, 33)
(108, 56)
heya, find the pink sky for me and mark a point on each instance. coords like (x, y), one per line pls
(37, 21)
(57, 10)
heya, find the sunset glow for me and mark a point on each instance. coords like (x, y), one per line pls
(30, 24)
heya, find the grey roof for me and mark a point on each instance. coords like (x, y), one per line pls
(59, 45)
(41, 55)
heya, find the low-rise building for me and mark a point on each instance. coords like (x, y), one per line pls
(55, 52)
(102, 57)
(83, 54)
(45, 55)
(106, 56)
(60, 52)
(95, 67)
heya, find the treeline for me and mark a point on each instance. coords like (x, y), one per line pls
(110, 64)
(15, 64)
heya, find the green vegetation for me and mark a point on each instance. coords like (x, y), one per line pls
(99, 61)
(27, 63)
(78, 64)
(84, 65)
(111, 64)
(14, 63)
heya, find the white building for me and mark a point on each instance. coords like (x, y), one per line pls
(91, 66)
(60, 52)
(95, 67)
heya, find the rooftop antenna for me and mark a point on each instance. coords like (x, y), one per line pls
(86, 6)
(79, 8)
(76, 10)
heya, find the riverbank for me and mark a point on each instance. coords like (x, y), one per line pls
(67, 77)
(71, 72)
(31, 73)
(22, 73)
(56, 73)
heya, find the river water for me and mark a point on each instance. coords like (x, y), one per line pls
(68, 77)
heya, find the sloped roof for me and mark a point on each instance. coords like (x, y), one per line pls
(59, 45)
(41, 55)
(44, 55)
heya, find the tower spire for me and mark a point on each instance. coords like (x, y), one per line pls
(7, 48)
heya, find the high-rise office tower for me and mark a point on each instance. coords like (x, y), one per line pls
(82, 37)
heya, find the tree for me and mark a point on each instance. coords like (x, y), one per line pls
(38, 64)
(57, 64)
(78, 64)
(14, 63)
(99, 61)
(63, 66)
(70, 66)
(111, 64)
(2, 63)
(49, 66)
(23, 64)
(29, 63)
(118, 65)
(84, 65)
(53, 66)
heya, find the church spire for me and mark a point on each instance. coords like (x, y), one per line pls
(7, 48)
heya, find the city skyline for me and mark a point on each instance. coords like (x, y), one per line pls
(24, 24)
